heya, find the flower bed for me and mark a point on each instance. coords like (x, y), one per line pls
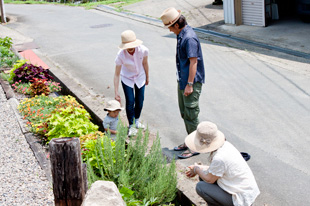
(141, 173)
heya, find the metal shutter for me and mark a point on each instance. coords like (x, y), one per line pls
(253, 12)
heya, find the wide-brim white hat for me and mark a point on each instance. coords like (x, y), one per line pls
(129, 40)
(113, 105)
(206, 138)
(170, 16)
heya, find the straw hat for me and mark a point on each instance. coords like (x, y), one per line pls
(129, 40)
(113, 105)
(170, 16)
(206, 138)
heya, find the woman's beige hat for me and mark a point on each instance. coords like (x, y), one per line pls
(113, 105)
(206, 138)
(129, 40)
(170, 16)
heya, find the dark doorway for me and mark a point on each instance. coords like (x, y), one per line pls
(287, 9)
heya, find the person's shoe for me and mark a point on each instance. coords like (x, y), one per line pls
(217, 2)
(245, 156)
(187, 154)
(132, 131)
(139, 125)
(181, 147)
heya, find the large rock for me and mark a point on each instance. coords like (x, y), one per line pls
(103, 193)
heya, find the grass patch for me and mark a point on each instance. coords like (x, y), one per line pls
(88, 4)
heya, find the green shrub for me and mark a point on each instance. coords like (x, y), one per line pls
(37, 110)
(17, 65)
(136, 168)
(6, 42)
(7, 57)
(70, 122)
(4, 76)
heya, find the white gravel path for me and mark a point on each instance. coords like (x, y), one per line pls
(22, 181)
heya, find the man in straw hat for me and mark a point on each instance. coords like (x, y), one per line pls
(133, 68)
(228, 180)
(190, 72)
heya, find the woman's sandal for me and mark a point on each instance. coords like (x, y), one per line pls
(187, 154)
(181, 147)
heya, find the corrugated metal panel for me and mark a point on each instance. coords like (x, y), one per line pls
(229, 11)
(253, 12)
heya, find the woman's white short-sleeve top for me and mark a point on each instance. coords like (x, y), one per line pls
(132, 71)
(236, 177)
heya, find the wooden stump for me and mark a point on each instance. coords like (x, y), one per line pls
(66, 166)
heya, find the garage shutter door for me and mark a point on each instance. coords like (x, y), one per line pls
(253, 12)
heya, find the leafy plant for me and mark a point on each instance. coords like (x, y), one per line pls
(38, 87)
(17, 65)
(28, 72)
(70, 122)
(6, 42)
(24, 88)
(135, 167)
(53, 86)
(7, 57)
(4, 76)
(91, 136)
(38, 109)
(128, 197)
(90, 152)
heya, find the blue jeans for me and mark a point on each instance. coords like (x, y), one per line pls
(134, 101)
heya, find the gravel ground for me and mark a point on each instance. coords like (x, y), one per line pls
(22, 181)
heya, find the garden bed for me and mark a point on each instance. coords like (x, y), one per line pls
(41, 152)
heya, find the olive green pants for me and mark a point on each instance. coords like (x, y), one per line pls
(189, 107)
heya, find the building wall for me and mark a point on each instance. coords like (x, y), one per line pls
(253, 12)
(229, 13)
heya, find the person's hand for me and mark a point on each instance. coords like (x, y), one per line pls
(118, 98)
(147, 81)
(190, 172)
(188, 90)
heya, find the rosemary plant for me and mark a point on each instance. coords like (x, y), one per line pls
(135, 166)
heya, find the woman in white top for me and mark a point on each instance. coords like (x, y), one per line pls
(228, 180)
(132, 66)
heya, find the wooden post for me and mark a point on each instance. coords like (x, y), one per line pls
(84, 170)
(238, 12)
(66, 166)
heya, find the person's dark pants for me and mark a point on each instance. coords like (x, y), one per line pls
(189, 107)
(213, 194)
(134, 102)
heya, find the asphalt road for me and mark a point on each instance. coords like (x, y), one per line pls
(262, 104)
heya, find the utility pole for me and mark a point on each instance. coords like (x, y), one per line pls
(3, 17)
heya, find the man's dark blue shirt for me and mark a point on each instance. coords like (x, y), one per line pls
(188, 46)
